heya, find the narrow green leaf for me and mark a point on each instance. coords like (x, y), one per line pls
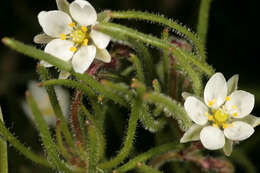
(168, 22)
(56, 105)
(37, 54)
(143, 168)
(232, 84)
(184, 58)
(3, 150)
(92, 148)
(192, 134)
(21, 148)
(46, 136)
(94, 84)
(202, 26)
(171, 108)
(100, 136)
(129, 139)
(63, 5)
(71, 84)
(138, 65)
(147, 155)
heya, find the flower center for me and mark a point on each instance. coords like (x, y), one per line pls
(78, 36)
(220, 116)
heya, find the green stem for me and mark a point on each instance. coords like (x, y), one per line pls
(3, 150)
(147, 155)
(37, 54)
(166, 63)
(160, 19)
(20, 147)
(124, 152)
(202, 27)
(56, 105)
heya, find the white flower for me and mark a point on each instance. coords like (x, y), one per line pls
(223, 115)
(42, 99)
(75, 41)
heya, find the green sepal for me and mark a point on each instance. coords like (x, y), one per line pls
(251, 120)
(104, 16)
(228, 147)
(192, 134)
(63, 5)
(42, 39)
(232, 84)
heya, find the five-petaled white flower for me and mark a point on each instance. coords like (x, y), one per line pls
(74, 37)
(222, 116)
(42, 99)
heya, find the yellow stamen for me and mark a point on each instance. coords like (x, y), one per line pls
(73, 49)
(232, 125)
(63, 36)
(85, 42)
(206, 113)
(227, 98)
(215, 125)
(225, 125)
(72, 24)
(84, 28)
(210, 117)
(211, 102)
(234, 107)
(235, 114)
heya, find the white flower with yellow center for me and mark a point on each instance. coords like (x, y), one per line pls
(42, 99)
(75, 39)
(224, 115)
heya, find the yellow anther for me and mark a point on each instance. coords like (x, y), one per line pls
(210, 117)
(72, 24)
(235, 114)
(73, 49)
(84, 28)
(232, 125)
(85, 42)
(63, 36)
(211, 102)
(234, 107)
(215, 125)
(206, 113)
(225, 125)
(227, 98)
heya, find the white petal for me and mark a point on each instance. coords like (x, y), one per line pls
(38, 93)
(216, 88)
(83, 58)
(83, 12)
(101, 40)
(212, 138)
(196, 110)
(239, 131)
(103, 55)
(60, 49)
(241, 102)
(54, 23)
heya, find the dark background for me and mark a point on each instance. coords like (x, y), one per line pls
(232, 48)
